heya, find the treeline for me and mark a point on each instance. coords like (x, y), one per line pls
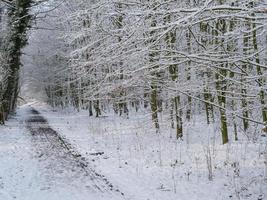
(184, 58)
(14, 22)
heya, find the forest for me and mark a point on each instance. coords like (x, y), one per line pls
(184, 58)
(189, 70)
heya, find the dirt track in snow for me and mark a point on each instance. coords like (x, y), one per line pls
(37, 163)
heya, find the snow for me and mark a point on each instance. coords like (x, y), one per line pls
(29, 171)
(183, 57)
(145, 165)
(142, 164)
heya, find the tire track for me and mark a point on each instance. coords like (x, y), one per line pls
(62, 160)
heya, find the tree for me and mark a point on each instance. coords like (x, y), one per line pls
(18, 22)
(184, 58)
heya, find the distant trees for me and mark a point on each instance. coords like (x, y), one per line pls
(183, 58)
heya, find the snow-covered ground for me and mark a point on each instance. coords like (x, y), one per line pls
(127, 152)
(36, 167)
(146, 165)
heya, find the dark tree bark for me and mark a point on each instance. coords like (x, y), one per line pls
(19, 20)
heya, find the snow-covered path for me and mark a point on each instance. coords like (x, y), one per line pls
(90, 158)
(35, 164)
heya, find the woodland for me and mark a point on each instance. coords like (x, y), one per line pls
(180, 64)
